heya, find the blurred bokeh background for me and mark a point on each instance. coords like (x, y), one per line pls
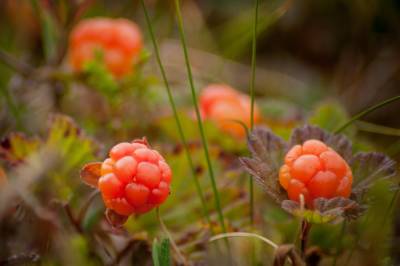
(317, 61)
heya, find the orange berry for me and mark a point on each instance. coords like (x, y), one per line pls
(305, 167)
(284, 176)
(120, 150)
(315, 170)
(119, 40)
(137, 194)
(110, 186)
(314, 146)
(297, 188)
(135, 179)
(125, 169)
(226, 106)
(107, 166)
(333, 162)
(324, 184)
(293, 154)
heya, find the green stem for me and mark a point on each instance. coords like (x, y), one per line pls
(365, 112)
(200, 125)
(181, 258)
(252, 82)
(339, 242)
(175, 112)
(377, 129)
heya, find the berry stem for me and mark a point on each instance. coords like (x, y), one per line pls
(305, 230)
(181, 258)
(252, 82)
(200, 125)
(175, 112)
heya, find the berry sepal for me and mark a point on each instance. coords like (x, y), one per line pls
(332, 210)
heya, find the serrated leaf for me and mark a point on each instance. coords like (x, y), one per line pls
(368, 168)
(337, 142)
(266, 178)
(267, 152)
(91, 173)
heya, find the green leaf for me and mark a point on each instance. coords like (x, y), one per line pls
(49, 30)
(99, 77)
(329, 115)
(155, 253)
(16, 147)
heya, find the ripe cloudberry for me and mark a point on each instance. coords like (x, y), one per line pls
(226, 106)
(119, 40)
(315, 170)
(134, 179)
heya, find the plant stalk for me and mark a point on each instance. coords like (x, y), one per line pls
(198, 116)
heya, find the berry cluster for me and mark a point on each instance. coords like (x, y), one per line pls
(226, 106)
(315, 170)
(134, 179)
(119, 40)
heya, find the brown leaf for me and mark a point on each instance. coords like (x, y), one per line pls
(287, 251)
(115, 219)
(91, 173)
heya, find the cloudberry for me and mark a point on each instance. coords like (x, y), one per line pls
(119, 40)
(226, 106)
(134, 179)
(315, 170)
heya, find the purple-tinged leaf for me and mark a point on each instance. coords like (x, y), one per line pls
(267, 152)
(266, 146)
(368, 168)
(326, 210)
(266, 178)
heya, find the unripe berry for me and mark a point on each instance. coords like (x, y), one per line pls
(135, 178)
(315, 170)
(119, 40)
(226, 106)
